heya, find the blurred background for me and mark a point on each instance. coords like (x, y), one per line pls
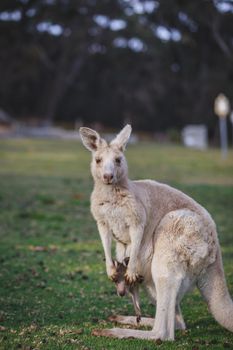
(156, 64)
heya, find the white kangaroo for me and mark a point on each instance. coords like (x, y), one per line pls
(171, 239)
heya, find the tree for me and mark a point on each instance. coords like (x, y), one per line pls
(159, 64)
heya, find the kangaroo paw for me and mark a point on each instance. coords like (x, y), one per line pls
(132, 279)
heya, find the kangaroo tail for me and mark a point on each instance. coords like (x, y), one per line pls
(213, 288)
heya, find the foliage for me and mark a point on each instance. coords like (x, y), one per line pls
(54, 290)
(157, 63)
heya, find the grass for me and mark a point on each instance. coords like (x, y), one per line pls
(53, 285)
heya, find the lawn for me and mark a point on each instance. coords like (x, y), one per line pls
(53, 286)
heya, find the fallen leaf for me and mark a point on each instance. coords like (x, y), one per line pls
(32, 328)
(38, 248)
(41, 284)
(34, 272)
(70, 331)
(53, 248)
(73, 341)
(78, 196)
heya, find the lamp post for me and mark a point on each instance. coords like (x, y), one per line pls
(231, 120)
(222, 109)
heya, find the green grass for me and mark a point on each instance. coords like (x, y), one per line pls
(53, 285)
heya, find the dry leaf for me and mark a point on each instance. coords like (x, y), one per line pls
(78, 196)
(39, 248)
(70, 331)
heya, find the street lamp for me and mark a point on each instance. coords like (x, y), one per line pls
(231, 120)
(222, 109)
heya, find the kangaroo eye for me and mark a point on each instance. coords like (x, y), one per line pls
(118, 160)
(98, 160)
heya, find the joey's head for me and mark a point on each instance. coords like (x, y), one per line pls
(108, 165)
(121, 286)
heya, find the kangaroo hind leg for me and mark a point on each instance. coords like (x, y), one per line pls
(168, 275)
(167, 288)
(132, 320)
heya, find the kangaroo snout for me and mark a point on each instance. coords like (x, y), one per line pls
(121, 293)
(121, 290)
(108, 178)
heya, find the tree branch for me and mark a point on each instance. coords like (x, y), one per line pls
(220, 41)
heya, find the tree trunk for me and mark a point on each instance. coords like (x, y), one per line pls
(65, 74)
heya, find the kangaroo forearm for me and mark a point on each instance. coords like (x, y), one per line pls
(120, 252)
(106, 239)
(136, 239)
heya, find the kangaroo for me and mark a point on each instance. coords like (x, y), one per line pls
(170, 239)
(123, 288)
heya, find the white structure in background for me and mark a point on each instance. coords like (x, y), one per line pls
(195, 136)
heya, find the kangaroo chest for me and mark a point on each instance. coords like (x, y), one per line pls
(116, 217)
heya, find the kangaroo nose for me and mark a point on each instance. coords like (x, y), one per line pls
(108, 177)
(121, 293)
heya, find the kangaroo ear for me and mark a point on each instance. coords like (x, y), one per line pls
(115, 262)
(90, 138)
(126, 261)
(123, 137)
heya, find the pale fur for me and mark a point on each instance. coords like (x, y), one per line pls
(170, 238)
